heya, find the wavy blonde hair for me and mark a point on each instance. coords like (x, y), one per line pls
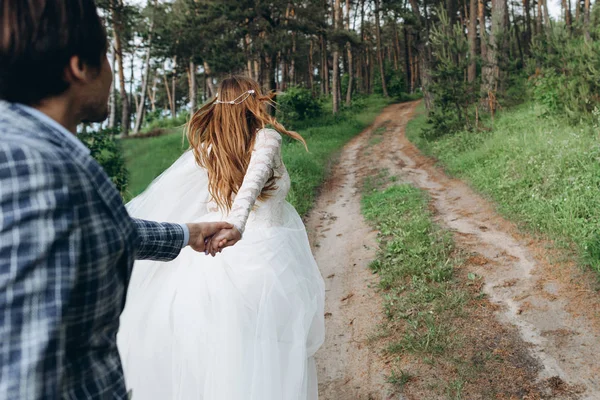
(222, 136)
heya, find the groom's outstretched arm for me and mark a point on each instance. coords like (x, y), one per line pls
(159, 241)
(164, 241)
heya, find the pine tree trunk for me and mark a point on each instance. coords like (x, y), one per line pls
(547, 17)
(142, 102)
(472, 74)
(208, 80)
(293, 61)
(492, 71)
(422, 56)
(539, 24)
(565, 5)
(117, 29)
(586, 20)
(311, 78)
(325, 66)
(112, 119)
(518, 36)
(483, 42)
(152, 94)
(336, 60)
(132, 97)
(174, 89)
(408, 60)
(380, 50)
(168, 90)
(350, 59)
(397, 48)
(528, 36)
(193, 86)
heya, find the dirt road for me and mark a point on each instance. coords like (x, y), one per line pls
(550, 305)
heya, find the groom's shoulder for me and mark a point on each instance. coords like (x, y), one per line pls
(15, 121)
(20, 134)
(25, 160)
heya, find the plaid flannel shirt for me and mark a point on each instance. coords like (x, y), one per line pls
(67, 246)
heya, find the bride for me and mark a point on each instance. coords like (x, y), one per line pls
(245, 324)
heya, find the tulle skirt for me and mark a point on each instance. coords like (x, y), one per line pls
(243, 325)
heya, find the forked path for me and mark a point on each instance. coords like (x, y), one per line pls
(551, 304)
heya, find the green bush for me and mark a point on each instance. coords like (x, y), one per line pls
(297, 104)
(567, 80)
(165, 123)
(109, 154)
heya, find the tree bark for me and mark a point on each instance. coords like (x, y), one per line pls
(586, 20)
(492, 72)
(152, 93)
(142, 102)
(483, 37)
(546, 17)
(336, 61)
(539, 24)
(311, 78)
(528, 36)
(113, 93)
(193, 86)
(566, 6)
(208, 80)
(169, 95)
(380, 50)
(408, 59)
(422, 57)
(350, 59)
(518, 36)
(472, 73)
(117, 29)
(174, 89)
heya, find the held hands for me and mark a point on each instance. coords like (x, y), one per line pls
(225, 238)
(201, 233)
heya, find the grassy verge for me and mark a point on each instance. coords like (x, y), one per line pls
(440, 331)
(541, 171)
(416, 267)
(147, 158)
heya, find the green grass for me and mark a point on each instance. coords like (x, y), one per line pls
(422, 297)
(542, 172)
(147, 158)
(416, 269)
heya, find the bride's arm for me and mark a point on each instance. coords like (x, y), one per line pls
(260, 170)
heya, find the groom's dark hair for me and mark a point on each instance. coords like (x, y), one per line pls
(38, 39)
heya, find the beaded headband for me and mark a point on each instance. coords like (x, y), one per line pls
(237, 100)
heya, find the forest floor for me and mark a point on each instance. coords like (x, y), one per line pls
(536, 317)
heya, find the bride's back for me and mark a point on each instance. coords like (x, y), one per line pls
(226, 132)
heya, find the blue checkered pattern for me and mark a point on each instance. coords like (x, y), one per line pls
(67, 246)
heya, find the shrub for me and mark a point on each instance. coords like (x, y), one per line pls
(297, 104)
(107, 151)
(569, 80)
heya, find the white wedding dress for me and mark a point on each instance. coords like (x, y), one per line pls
(243, 325)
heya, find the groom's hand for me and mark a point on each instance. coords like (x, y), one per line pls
(202, 231)
(225, 238)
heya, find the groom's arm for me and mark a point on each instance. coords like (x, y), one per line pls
(159, 241)
(164, 241)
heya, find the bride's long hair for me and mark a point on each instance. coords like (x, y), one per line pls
(222, 135)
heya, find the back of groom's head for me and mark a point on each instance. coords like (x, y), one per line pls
(38, 38)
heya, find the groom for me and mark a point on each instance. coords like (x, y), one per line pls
(67, 244)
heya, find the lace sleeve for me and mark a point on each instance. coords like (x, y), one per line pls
(260, 169)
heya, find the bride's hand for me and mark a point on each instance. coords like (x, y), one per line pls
(223, 239)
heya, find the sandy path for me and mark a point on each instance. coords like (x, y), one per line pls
(543, 301)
